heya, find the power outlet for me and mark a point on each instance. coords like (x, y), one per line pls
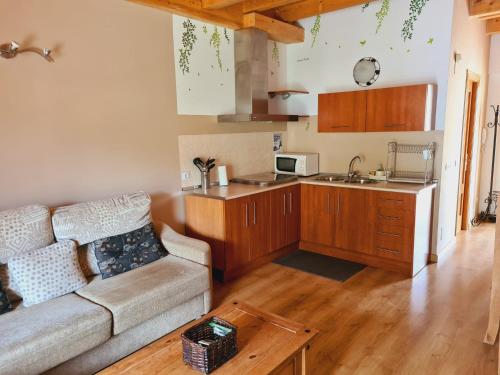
(185, 175)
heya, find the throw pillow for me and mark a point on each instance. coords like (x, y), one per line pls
(4, 301)
(125, 252)
(47, 273)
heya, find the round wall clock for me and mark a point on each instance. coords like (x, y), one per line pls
(366, 71)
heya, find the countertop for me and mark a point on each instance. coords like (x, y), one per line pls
(236, 190)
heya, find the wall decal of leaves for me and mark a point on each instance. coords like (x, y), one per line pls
(315, 29)
(215, 43)
(382, 13)
(276, 54)
(416, 7)
(226, 36)
(188, 41)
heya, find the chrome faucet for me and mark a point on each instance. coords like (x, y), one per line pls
(351, 173)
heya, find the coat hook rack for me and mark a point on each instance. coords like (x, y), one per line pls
(12, 49)
(490, 214)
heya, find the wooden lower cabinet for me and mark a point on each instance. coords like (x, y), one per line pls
(334, 217)
(245, 232)
(316, 225)
(285, 217)
(376, 228)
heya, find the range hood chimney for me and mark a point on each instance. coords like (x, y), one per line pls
(250, 58)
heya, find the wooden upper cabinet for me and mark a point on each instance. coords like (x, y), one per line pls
(342, 112)
(407, 108)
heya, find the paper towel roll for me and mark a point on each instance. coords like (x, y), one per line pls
(222, 172)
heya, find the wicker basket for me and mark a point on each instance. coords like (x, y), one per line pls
(207, 358)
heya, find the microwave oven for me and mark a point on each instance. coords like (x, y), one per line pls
(300, 164)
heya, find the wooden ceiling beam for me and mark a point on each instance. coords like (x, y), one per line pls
(277, 30)
(493, 26)
(309, 8)
(263, 5)
(217, 4)
(227, 17)
(484, 8)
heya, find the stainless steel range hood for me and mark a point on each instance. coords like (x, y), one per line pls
(250, 58)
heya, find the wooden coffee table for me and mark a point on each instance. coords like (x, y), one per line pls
(267, 343)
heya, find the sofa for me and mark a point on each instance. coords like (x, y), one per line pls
(107, 319)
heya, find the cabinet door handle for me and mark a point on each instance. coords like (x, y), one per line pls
(254, 213)
(389, 217)
(389, 234)
(246, 215)
(328, 203)
(393, 125)
(284, 204)
(290, 201)
(388, 250)
(338, 204)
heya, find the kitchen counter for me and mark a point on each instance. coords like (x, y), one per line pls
(236, 190)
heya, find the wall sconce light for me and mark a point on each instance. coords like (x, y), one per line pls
(12, 49)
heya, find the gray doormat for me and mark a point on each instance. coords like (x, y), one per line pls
(321, 265)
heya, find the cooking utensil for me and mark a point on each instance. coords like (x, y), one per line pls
(199, 164)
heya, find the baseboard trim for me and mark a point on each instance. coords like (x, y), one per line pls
(435, 258)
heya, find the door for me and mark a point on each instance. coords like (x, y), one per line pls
(342, 112)
(259, 236)
(237, 232)
(293, 215)
(404, 108)
(350, 219)
(316, 223)
(463, 212)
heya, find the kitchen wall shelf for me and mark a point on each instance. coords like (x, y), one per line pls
(285, 94)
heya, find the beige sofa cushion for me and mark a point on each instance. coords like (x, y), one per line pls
(24, 229)
(141, 294)
(37, 338)
(87, 222)
(47, 273)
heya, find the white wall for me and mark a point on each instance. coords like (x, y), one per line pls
(328, 66)
(487, 139)
(206, 89)
(470, 40)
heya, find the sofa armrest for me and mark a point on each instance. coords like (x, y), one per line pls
(185, 247)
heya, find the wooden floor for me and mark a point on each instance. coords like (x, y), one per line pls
(380, 322)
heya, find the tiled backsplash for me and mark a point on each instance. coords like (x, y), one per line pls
(242, 153)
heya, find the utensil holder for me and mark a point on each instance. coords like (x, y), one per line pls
(205, 180)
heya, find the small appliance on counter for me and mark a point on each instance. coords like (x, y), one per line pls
(299, 164)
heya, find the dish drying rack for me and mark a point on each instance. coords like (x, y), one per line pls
(420, 158)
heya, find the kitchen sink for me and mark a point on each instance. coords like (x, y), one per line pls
(330, 178)
(360, 180)
(340, 178)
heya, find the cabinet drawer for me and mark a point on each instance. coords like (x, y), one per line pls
(398, 201)
(394, 217)
(393, 245)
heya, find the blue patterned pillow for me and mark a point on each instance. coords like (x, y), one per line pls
(125, 252)
(5, 305)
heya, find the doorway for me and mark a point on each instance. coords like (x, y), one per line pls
(466, 155)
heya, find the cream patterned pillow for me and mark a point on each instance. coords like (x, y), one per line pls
(24, 229)
(47, 273)
(86, 222)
